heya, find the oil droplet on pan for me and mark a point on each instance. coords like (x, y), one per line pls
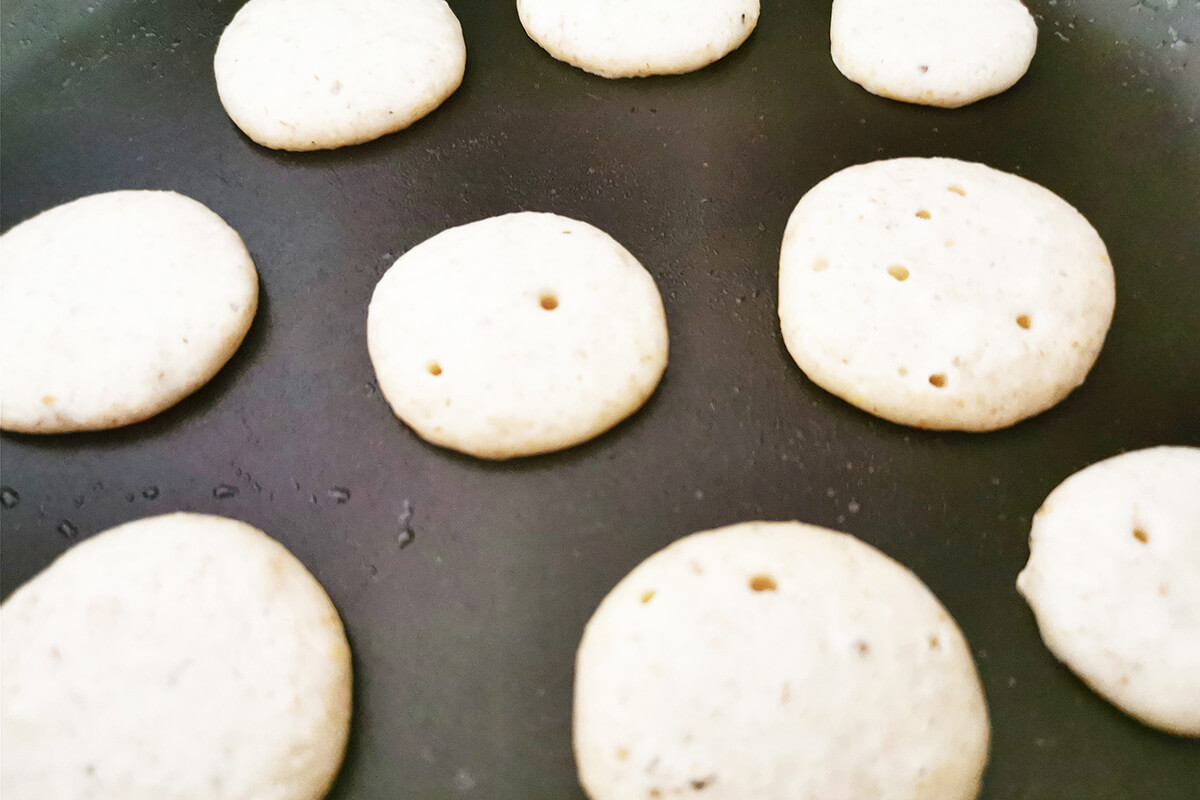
(407, 535)
(224, 491)
(9, 497)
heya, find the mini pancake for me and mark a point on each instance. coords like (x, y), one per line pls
(776, 660)
(943, 294)
(934, 52)
(516, 335)
(632, 38)
(1114, 581)
(321, 74)
(183, 656)
(115, 307)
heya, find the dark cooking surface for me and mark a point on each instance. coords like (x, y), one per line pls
(464, 639)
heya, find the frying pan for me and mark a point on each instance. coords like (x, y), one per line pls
(465, 585)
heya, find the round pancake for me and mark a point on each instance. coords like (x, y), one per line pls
(943, 294)
(1114, 581)
(631, 38)
(935, 52)
(115, 307)
(320, 74)
(516, 335)
(183, 656)
(776, 661)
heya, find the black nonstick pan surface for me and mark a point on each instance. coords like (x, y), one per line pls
(464, 584)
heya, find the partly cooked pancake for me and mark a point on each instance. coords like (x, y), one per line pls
(319, 74)
(631, 38)
(185, 656)
(1114, 580)
(934, 52)
(776, 661)
(115, 307)
(943, 294)
(516, 335)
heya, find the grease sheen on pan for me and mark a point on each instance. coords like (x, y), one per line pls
(776, 660)
(321, 74)
(943, 294)
(1114, 581)
(516, 335)
(115, 307)
(632, 38)
(179, 657)
(934, 52)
